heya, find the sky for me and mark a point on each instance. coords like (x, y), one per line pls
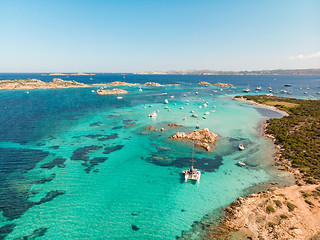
(158, 35)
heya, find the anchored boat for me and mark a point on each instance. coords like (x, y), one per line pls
(192, 173)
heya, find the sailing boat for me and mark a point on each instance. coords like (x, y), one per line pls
(191, 173)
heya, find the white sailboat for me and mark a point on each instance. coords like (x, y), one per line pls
(192, 173)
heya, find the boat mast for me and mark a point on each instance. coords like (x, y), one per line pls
(192, 157)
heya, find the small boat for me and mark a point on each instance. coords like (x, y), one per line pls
(187, 100)
(205, 105)
(91, 78)
(184, 95)
(119, 97)
(200, 106)
(192, 111)
(192, 173)
(204, 117)
(241, 147)
(258, 88)
(317, 92)
(246, 90)
(207, 113)
(92, 90)
(181, 108)
(27, 92)
(305, 92)
(197, 93)
(140, 89)
(194, 115)
(150, 105)
(166, 107)
(185, 118)
(287, 85)
(269, 94)
(166, 101)
(214, 106)
(197, 127)
(241, 163)
(172, 96)
(153, 115)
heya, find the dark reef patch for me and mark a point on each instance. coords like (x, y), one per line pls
(94, 162)
(55, 162)
(126, 121)
(50, 195)
(113, 116)
(5, 230)
(81, 154)
(114, 128)
(54, 147)
(96, 124)
(14, 159)
(41, 144)
(94, 136)
(205, 164)
(108, 137)
(134, 227)
(108, 150)
(45, 180)
(36, 233)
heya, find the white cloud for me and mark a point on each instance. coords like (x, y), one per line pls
(303, 57)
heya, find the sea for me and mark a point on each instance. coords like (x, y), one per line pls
(77, 165)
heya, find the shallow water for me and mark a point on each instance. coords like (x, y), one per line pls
(76, 165)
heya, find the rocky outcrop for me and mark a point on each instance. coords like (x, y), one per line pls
(152, 84)
(116, 83)
(174, 125)
(28, 84)
(202, 138)
(112, 91)
(204, 83)
(174, 85)
(224, 85)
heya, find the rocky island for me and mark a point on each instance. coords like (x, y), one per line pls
(224, 85)
(201, 138)
(116, 83)
(204, 83)
(71, 74)
(152, 84)
(28, 84)
(111, 92)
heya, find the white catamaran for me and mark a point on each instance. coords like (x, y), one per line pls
(191, 173)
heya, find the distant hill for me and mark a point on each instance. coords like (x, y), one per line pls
(261, 72)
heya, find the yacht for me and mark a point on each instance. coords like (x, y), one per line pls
(246, 90)
(166, 101)
(258, 88)
(241, 147)
(119, 97)
(140, 89)
(192, 173)
(153, 115)
(194, 115)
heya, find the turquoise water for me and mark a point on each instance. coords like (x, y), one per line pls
(75, 165)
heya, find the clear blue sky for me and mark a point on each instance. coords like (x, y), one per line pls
(140, 35)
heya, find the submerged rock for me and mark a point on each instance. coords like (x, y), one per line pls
(204, 83)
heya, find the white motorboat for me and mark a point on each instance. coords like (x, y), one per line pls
(197, 93)
(140, 89)
(207, 113)
(166, 101)
(204, 117)
(192, 173)
(197, 127)
(258, 88)
(241, 147)
(241, 163)
(172, 96)
(246, 90)
(119, 97)
(166, 107)
(153, 115)
(194, 115)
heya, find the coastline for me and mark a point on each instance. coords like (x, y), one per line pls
(291, 212)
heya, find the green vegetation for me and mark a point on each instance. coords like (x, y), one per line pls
(309, 202)
(291, 206)
(283, 216)
(278, 203)
(299, 132)
(270, 209)
(271, 224)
